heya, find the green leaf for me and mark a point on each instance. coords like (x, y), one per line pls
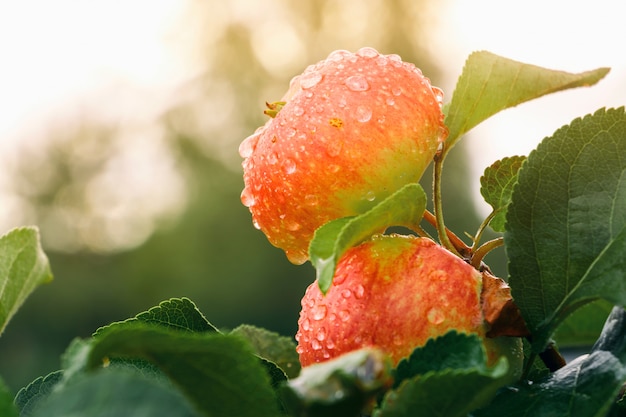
(583, 327)
(340, 387)
(586, 387)
(271, 346)
(7, 409)
(490, 83)
(496, 186)
(403, 208)
(218, 372)
(448, 377)
(114, 392)
(566, 223)
(23, 267)
(175, 313)
(30, 396)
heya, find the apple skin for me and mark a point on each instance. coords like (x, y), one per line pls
(395, 293)
(353, 129)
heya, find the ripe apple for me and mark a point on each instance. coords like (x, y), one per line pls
(395, 293)
(350, 131)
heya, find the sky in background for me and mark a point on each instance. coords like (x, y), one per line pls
(47, 68)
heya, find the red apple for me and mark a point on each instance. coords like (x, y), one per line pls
(396, 293)
(350, 131)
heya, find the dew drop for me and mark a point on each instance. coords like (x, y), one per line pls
(382, 60)
(357, 83)
(299, 350)
(330, 344)
(321, 334)
(370, 196)
(359, 291)
(306, 325)
(438, 95)
(367, 52)
(326, 355)
(346, 293)
(390, 101)
(247, 199)
(289, 166)
(344, 315)
(293, 226)
(272, 159)
(435, 316)
(256, 224)
(339, 279)
(315, 344)
(319, 312)
(338, 55)
(311, 200)
(298, 111)
(310, 80)
(363, 114)
(396, 61)
(396, 91)
(342, 102)
(291, 132)
(248, 145)
(334, 148)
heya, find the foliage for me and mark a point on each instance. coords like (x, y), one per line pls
(562, 211)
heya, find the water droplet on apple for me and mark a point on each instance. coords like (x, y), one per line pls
(292, 226)
(435, 316)
(298, 111)
(306, 325)
(367, 52)
(357, 83)
(390, 101)
(247, 198)
(248, 145)
(339, 279)
(359, 291)
(438, 95)
(330, 344)
(325, 354)
(342, 102)
(395, 60)
(346, 293)
(370, 196)
(397, 340)
(256, 224)
(311, 200)
(321, 334)
(310, 80)
(344, 315)
(338, 55)
(289, 166)
(363, 114)
(382, 60)
(315, 344)
(291, 132)
(319, 312)
(272, 159)
(396, 91)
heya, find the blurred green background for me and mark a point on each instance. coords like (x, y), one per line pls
(132, 213)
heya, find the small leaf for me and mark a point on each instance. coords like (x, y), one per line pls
(7, 408)
(586, 387)
(114, 392)
(340, 387)
(490, 83)
(218, 372)
(23, 267)
(403, 208)
(175, 313)
(447, 377)
(29, 397)
(566, 223)
(496, 186)
(271, 346)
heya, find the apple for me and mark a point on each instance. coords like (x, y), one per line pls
(395, 293)
(350, 131)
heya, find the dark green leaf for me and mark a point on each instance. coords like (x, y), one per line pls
(586, 387)
(447, 377)
(28, 397)
(270, 345)
(403, 208)
(175, 313)
(340, 387)
(7, 408)
(23, 267)
(219, 373)
(490, 83)
(566, 223)
(496, 186)
(113, 393)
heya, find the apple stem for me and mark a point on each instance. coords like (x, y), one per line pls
(460, 246)
(481, 229)
(440, 225)
(479, 254)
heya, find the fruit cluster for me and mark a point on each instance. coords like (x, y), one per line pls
(350, 131)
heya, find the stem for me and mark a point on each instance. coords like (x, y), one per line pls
(481, 229)
(480, 253)
(440, 225)
(460, 246)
